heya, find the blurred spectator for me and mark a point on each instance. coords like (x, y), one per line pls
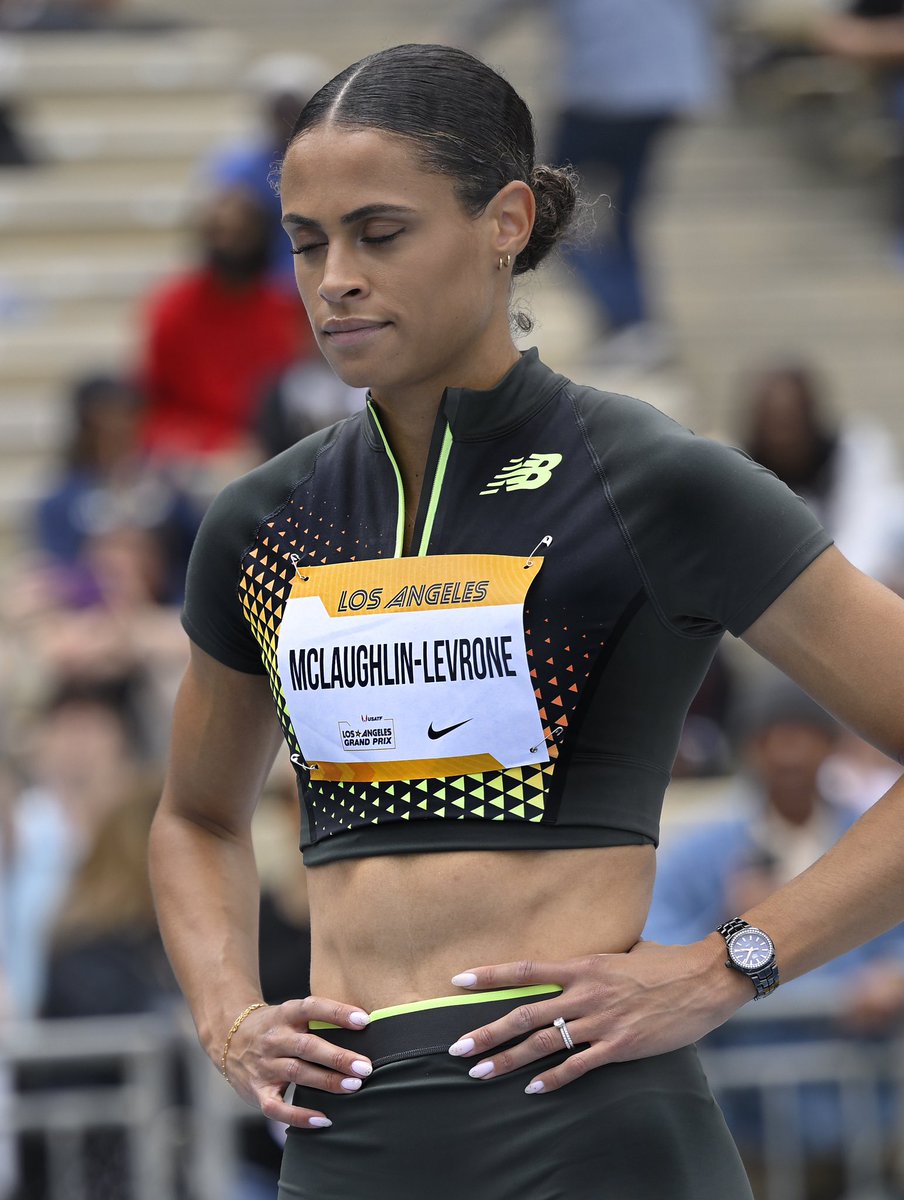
(81, 757)
(846, 470)
(777, 823)
(108, 490)
(872, 32)
(106, 959)
(282, 84)
(216, 335)
(106, 955)
(630, 73)
(307, 396)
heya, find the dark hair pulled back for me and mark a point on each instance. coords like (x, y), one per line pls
(467, 122)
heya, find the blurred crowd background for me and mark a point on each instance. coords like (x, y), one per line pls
(743, 269)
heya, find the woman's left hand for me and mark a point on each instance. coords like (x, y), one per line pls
(618, 1007)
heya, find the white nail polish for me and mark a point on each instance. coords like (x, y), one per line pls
(320, 1122)
(359, 1018)
(466, 979)
(351, 1085)
(482, 1070)
(362, 1068)
(465, 1046)
(537, 1086)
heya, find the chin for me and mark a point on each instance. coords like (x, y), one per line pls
(355, 375)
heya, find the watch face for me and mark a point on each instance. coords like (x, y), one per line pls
(750, 949)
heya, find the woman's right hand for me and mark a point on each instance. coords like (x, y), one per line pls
(274, 1047)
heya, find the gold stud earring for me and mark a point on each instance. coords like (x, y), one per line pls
(505, 262)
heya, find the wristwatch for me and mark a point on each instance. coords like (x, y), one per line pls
(751, 952)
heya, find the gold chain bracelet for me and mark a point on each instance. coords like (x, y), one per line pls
(246, 1012)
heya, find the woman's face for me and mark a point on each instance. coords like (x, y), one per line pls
(400, 284)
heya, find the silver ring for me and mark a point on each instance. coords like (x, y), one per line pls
(559, 1023)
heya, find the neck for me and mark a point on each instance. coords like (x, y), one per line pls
(408, 418)
(408, 412)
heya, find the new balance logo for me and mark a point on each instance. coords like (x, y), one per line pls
(523, 474)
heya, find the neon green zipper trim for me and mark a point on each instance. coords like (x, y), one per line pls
(435, 491)
(396, 1010)
(400, 524)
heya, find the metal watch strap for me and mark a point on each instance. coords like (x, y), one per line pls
(765, 980)
(730, 928)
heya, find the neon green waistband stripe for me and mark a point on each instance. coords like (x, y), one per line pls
(397, 1010)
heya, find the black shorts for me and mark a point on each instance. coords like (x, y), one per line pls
(421, 1128)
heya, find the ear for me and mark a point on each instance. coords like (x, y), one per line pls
(511, 215)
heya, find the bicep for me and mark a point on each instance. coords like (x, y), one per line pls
(840, 635)
(225, 738)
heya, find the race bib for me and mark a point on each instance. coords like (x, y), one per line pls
(411, 668)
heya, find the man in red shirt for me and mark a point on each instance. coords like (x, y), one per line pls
(216, 335)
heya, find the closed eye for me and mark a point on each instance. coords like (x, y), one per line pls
(378, 240)
(382, 239)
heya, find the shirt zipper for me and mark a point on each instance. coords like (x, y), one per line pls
(436, 486)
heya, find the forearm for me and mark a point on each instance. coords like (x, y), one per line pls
(851, 895)
(207, 894)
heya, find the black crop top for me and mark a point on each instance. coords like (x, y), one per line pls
(520, 681)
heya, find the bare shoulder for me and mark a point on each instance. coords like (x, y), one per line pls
(840, 635)
(225, 738)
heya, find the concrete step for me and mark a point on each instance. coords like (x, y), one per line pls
(33, 420)
(55, 280)
(54, 64)
(125, 137)
(86, 313)
(48, 352)
(29, 205)
(22, 248)
(225, 103)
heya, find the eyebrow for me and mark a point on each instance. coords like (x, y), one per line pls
(350, 218)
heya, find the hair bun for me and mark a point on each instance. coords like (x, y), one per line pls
(556, 192)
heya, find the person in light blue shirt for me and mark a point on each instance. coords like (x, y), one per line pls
(777, 822)
(630, 71)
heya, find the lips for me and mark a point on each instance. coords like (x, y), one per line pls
(352, 331)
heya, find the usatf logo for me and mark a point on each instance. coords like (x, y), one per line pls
(524, 474)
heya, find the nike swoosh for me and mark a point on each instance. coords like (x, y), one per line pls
(433, 734)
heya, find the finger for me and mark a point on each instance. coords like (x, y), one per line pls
(307, 1074)
(518, 1023)
(515, 974)
(317, 1008)
(571, 1069)
(274, 1106)
(539, 1045)
(285, 1043)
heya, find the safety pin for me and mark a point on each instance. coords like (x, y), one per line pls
(296, 559)
(544, 543)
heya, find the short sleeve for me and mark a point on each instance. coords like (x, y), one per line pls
(212, 615)
(717, 537)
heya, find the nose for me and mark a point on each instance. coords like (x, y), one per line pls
(341, 278)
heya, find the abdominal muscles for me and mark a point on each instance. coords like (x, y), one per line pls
(394, 929)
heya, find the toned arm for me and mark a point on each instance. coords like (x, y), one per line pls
(225, 738)
(840, 635)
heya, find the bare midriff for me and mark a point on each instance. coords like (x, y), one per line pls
(394, 929)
